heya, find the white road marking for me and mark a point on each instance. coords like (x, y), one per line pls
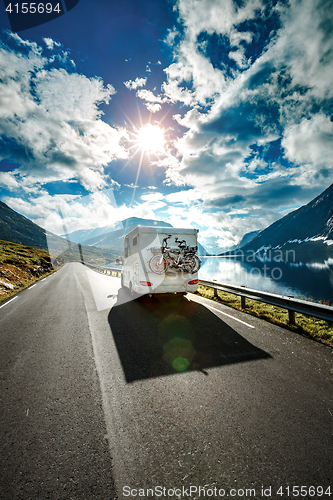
(226, 314)
(3, 305)
(32, 286)
(229, 316)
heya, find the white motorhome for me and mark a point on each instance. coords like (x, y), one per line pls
(144, 270)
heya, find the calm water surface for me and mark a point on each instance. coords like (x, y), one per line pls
(311, 281)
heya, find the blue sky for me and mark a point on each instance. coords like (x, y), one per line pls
(204, 113)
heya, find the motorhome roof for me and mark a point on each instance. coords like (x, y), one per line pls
(163, 230)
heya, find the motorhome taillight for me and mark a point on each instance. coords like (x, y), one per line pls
(146, 283)
(193, 282)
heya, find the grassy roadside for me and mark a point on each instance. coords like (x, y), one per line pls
(20, 267)
(316, 329)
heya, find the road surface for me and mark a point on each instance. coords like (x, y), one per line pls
(104, 397)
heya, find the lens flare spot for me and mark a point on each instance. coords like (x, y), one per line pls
(180, 364)
(179, 353)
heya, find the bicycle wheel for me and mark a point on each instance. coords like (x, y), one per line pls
(197, 264)
(192, 264)
(157, 264)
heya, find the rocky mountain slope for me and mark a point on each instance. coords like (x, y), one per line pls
(246, 239)
(306, 234)
(20, 266)
(16, 228)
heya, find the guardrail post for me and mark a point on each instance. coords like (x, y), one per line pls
(243, 302)
(321, 311)
(291, 317)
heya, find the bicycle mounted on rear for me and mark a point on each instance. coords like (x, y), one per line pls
(182, 259)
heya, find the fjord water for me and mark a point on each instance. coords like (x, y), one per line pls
(312, 281)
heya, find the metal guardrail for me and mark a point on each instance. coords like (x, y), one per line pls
(110, 271)
(291, 304)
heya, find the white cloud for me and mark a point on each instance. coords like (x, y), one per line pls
(135, 84)
(51, 44)
(184, 197)
(152, 197)
(239, 57)
(310, 142)
(71, 211)
(279, 95)
(216, 229)
(153, 108)
(53, 120)
(9, 181)
(74, 212)
(236, 108)
(153, 102)
(149, 96)
(305, 45)
(215, 16)
(192, 78)
(40, 207)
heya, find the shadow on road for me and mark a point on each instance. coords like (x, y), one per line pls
(161, 336)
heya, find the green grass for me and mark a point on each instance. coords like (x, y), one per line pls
(310, 327)
(18, 262)
(17, 267)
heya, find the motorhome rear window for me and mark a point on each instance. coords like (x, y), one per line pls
(135, 241)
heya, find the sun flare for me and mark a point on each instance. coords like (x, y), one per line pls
(150, 139)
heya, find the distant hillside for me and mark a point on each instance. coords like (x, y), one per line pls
(137, 221)
(202, 251)
(16, 228)
(100, 245)
(115, 239)
(112, 236)
(92, 236)
(86, 235)
(307, 231)
(246, 239)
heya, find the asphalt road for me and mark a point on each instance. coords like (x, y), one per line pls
(104, 397)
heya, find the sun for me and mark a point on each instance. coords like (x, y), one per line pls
(150, 139)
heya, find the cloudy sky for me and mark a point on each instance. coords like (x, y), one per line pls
(215, 114)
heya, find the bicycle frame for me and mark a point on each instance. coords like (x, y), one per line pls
(176, 258)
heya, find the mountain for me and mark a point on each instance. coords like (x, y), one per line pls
(16, 228)
(112, 236)
(82, 235)
(246, 239)
(202, 252)
(306, 234)
(99, 245)
(92, 235)
(132, 222)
